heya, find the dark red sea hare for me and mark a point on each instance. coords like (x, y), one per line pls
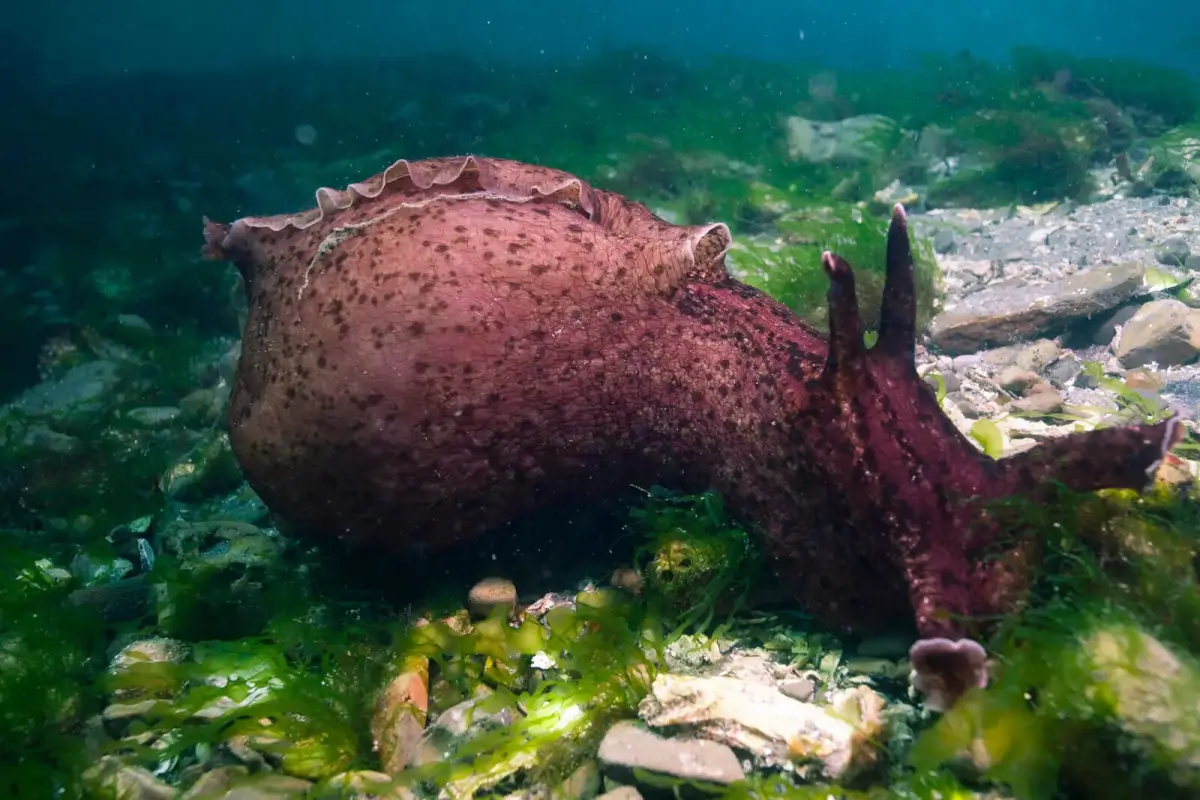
(455, 342)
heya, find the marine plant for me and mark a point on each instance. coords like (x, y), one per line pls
(1097, 677)
(694, 559)
(788, 271)
(1169, 93)
(49, 655)
(1025, 158)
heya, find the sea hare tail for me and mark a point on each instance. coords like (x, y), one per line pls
(1110, 458)
(845, 327)
(898, 314)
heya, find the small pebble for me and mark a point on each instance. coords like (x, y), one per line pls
(491, 594)
(801, 689)
(1174, 251)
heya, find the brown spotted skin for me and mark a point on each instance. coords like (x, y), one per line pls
(456, 342)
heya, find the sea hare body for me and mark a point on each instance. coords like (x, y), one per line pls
(456, 342)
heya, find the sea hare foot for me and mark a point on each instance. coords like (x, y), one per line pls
(455, 342)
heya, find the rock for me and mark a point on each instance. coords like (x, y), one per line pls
(802, 689)
(1062, 372)
(43, 440)
(1165, 332)
(207, 469)
(621, 793)
(1038, 355)
(215, 783)
(220, 544)
(894, 645)
(119, 602)
(690, 653)
(490, 596)
(944, 242)
(93, 572)
(134, 323)
(472, 716)
(1152, 695)
(628, 579)
(1041, 398)
(836, 742)
(460, 724)
(361, 785)
(203, 406)
(1017, 380)
(1144, 380)
(1002, 315)
(109, 777)
(76, 399)
(123, 712)
(895, 192)
(400, 712)
(1175, 472)
(628, 747)
(1106, 330)
(229, 563)
(582, 784)
(854, 140)
(1174, 252)
(268, 786)
(153, 416)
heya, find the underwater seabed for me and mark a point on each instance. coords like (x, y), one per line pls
(160, 636)
(250, 665)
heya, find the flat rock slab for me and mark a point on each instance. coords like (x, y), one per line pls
(1003, 315)
(627, 746)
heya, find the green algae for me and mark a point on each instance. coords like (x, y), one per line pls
(303, 689)
(791, 271)
(48, 656)
(1028, 157)
(1092, 681)
(301, 694)
(1168, 93)
(605, 653)
(695, 559)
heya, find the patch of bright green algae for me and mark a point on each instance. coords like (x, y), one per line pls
(49, 652)
(789, 268)
(1094, 684)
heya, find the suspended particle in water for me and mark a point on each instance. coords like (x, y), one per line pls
(305, 134)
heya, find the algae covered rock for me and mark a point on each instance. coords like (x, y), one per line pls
(400, 712)
(208, 468)
(854, 140)
(110, 777)
(1151, 694)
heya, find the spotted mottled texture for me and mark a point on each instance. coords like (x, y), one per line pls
(456, 342)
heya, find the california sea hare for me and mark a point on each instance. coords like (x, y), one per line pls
(455, 342)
